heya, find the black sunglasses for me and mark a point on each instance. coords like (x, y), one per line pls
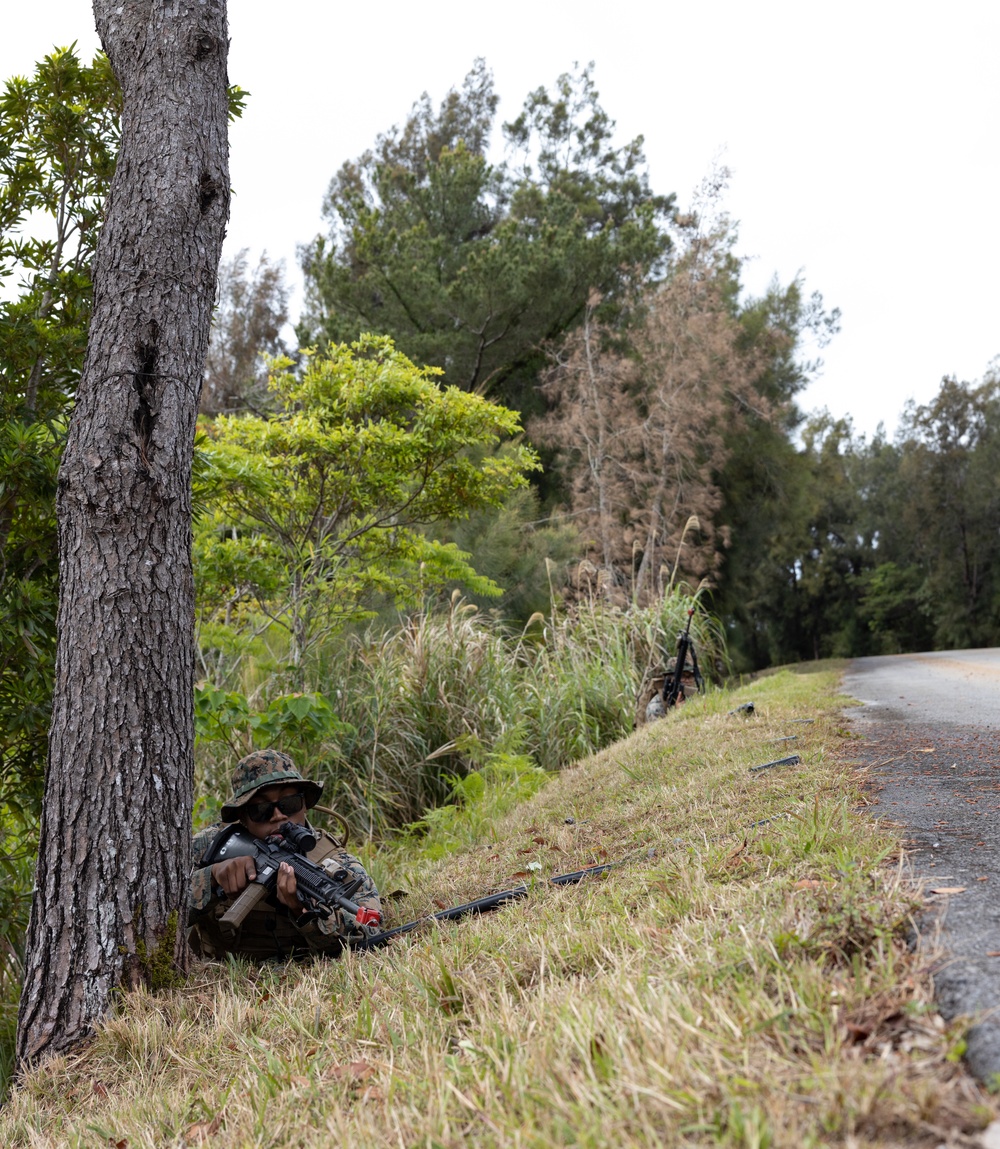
(261, 811)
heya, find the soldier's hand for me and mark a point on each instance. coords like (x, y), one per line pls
(287, 887)
(234, 874)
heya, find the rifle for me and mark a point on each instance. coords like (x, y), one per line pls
(673, 688)
(319, 891)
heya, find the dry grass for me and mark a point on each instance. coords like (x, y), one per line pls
(743, 980)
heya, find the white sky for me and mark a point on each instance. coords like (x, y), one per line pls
(862, 136)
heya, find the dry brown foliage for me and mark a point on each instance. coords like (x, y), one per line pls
(643, 433)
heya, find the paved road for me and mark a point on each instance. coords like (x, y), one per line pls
(931, 724)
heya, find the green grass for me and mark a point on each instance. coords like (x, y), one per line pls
(743, 979)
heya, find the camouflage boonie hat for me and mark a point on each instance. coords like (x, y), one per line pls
(262, 768)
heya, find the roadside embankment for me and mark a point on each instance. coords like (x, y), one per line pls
(743, 978)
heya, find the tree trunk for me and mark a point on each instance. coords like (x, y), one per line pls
(111, 884)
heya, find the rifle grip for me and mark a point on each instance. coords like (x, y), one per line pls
(234, 916)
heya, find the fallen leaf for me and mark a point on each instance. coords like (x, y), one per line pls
(372, 1093)
(985, 878)
(993, 954)
(539, 839)
(201, 1130)
(738, 854)
(355, 1071)
(520, 874)
(809, 884)
(100, 1090)
(440, 905)
(948, 890)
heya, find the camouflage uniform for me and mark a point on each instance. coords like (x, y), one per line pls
(270, 930)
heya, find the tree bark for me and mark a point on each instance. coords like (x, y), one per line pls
(111, 884)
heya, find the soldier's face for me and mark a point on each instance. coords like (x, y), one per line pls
(260, 828)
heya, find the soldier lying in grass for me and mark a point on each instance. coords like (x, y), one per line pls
(268, 791)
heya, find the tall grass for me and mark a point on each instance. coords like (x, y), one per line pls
(432, 700)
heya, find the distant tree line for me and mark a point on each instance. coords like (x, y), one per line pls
(888, 545)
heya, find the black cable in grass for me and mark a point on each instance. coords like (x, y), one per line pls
(766, 821)
(749, 826)
(791, 760)
(495, 901)
(480, 905)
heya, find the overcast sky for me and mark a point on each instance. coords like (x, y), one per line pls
(862, 137)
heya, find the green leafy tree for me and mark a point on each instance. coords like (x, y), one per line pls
(58, 141)
(319, 509)
(29, 458)
(515, 546)
(471, 266)
(880, 546)
(893, 604)
(835, 549)
(895, 608)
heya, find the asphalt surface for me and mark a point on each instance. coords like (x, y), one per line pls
(930, 725)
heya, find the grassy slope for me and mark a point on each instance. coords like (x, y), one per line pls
(743, 980)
